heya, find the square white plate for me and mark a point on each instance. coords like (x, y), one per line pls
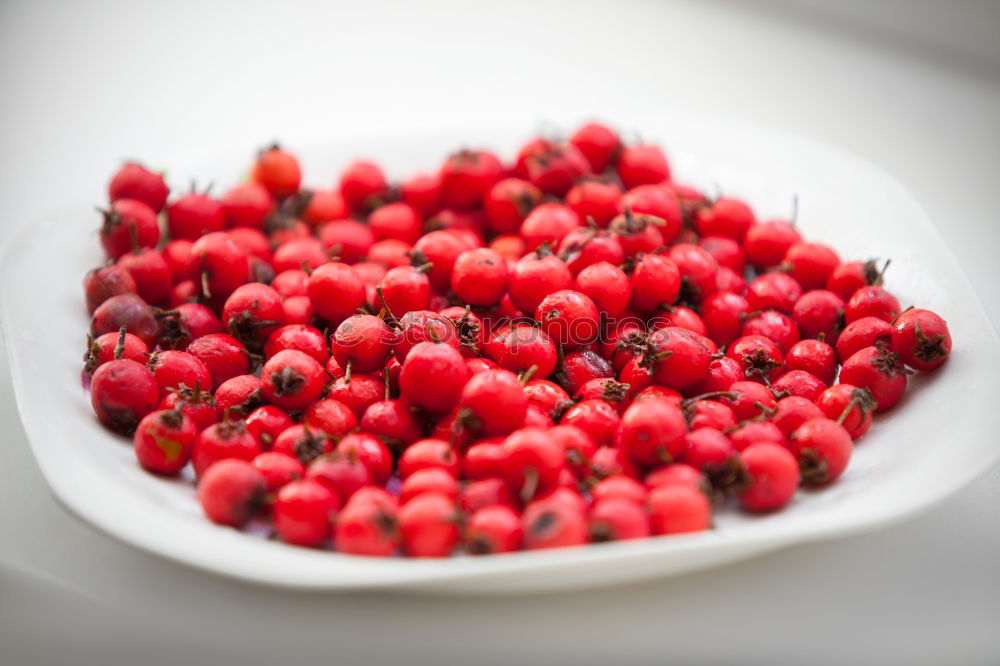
(939, 438)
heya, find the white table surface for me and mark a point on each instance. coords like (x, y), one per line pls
(914, 87)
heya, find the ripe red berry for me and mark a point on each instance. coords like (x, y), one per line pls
(107, 347)
(163, 441)
(323, 206)
(266, 423)
(759, 358)
(677, 509)
(128, 223)
(638, 234)
(749, 399)
(772, 477)
(303, 338)
(522, 346)
(823, 448)
(362, 343)
(815, 357)
(238, 396)
(393, 422)
(278, 171)
(304, 512)
(595, 200)
(428, 524)
(220, 263)
(479, 277)
(397, 220)
(676, 357)
(921, 338)
(252, 312)
(569, 318)
(344, 475)
(368, 526)
(535, 276)
(675, 474)
(172, 369)
(656, 282)
(793, 411)
(433, 376)
(777, 291)
(861, 333)
(597, 418)
(493, 402)
(195, 403)
(725, 217)
(222, 354)
(221, 441)
(652, 432)
(617, 519)
(548, 223)
(599, 144)
(850, 276)
(467, 176)
(767, 243)
(122, 392)
(848, 405)
(552, 166)
(493, 529)
(819, 314)
(134, 181)
(872, 302)
(553, 524)
(292, 379)
(362, 185)
(104, 283)
(336, 291)
(247, 205)
(773, 325)
(811, 264)
(641, 164)
(878, 369)
(232, 492)
(585, 246)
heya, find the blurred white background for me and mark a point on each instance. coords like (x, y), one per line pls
(913, 86)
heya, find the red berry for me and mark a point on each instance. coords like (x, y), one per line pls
(323, 206)
(304, 512)
(479, 277)
(597, 418)
(195, 403)
(467, 176)
(278, 171)
(433, 377)
(247, 205)
(238, 396)
(362, 343)
(599, 144)
(676, 357)
(172, 369)
(548, 223)
(595, 200)
(348, 240)
(777, 291)
(266, 423)
(727, 252)
(221, 441)
(292, 379)
(220, 263)
(723, 314)
(569, 318)
(616, 519)
(585, 246)
(652, 432)
(535, 276)
(553, 524)
(128, 224)
(508, 202)
(396, 220)
(493, 529)
(655, 282)
(849, 406)
(428, 524)
(392, 421)
(772, 477)
(620, 487)
(793, 411)
(441, 249)
(278, 469)
(302, 338)
(231, 492)
(134, 181)
(104, 283)
(811, 263)
(759, 358)
(823, 448)
(163, 441)
(637, 234)
(767, 243)
(850, 276)
(675, 474)
(880, 371)
(371, 452)
(725, 217)
(362, 185)
(678, 509)
(106, 347)
(773, 325)
(222, 354)
(336, 291)
(641, 164)
(358, 393)
(533, 462)
(921, 338)
(368, 526)
(861, 333)
(344, 475)
(423, 192)
(754, 432)
(522, 346)
(749, 399)
(301, 252)
(252, 312)
(872, 302)
(815, 357)
(551, 166)
(122, 392)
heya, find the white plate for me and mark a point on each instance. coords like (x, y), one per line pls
(939, 438)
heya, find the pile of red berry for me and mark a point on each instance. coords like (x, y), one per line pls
(491, 357)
